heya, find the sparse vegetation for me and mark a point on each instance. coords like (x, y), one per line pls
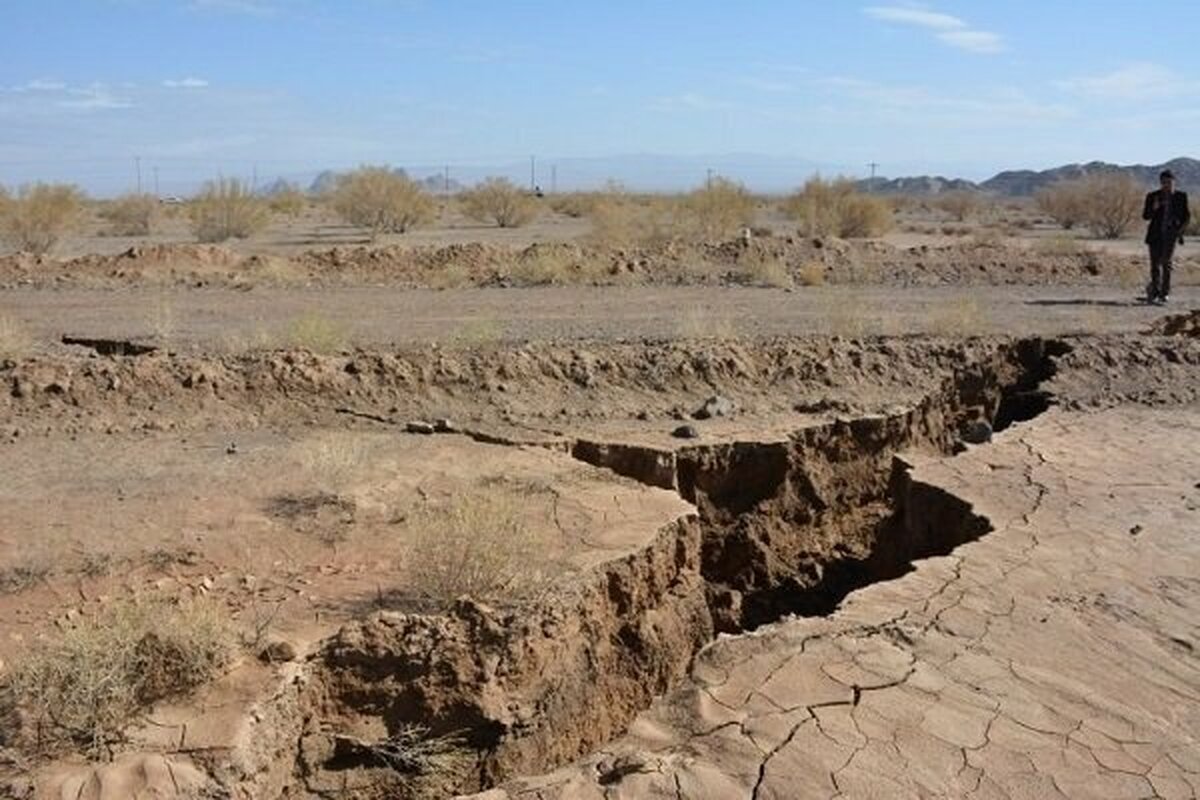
(288, 202)
(700, 323)
(39, 215)
(15, 340)
(1112, 204)
(130, 214)
(499, 200)
(91, 681)
(962, 316)
(227, 209)
(764, 270)
(314, 332)
(477, 544)
(811, 273)
(837, 208)
(382, 201)
(719, 209)
(1064, 202)
(960, 205)
(1061, 246)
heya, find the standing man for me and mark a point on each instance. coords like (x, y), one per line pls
(1167, 211)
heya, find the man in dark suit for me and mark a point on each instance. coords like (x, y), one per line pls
(1167, 211)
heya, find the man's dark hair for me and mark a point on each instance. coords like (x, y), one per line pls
(1166, 173)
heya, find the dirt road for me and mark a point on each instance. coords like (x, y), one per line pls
(230, 319)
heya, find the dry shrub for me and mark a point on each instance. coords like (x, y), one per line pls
(38, 216)
(719, 210)
(477, 544)
(130, 214)
(764, 270)
(961, 205)
(1112, 204)
(288, 202)
(811, 273)
(314, 332)
(479, 332)
(501, 201)
(227, 209)
(1063, 202)
(95, 678)
(576, 204)
(25, 573)
(621, 220)
(837, 208)
(847, 319)
(382, 201)
(14, 338)
(554, 266)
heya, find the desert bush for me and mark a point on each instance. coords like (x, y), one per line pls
(621, 220)
(961, 205)
(719, 209)
(92, 680)
(1063, 202)
(575, 204)
(38, 215)
(811, 273)
(130, 214)
(1061, 246)
(288, 202)
(314, 332)
(837, 208)
(501, 201)
(1112, 203)
(227, 209)
(382, 201)
(477, 544)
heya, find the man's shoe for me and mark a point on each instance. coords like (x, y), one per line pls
(1162, 299)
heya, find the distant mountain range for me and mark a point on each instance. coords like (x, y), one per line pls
(1025, 182)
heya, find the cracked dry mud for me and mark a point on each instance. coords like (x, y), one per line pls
(1016, 620)
(1053, 658)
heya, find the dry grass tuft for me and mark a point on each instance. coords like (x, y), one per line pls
(130, 214)
(960, 205)
(15, 340)
(700, 323)
(227, 209)
(1063, 202)
(764, 270)
(1061, 246)
(811, 273)
(478, 544)
(962, 316)
(382, 201)
(314, 332)
(89, 683)
(39, 215)
(290, 202)
(501, 201)
(837, 208)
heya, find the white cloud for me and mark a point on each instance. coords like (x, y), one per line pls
(1132, 81)
(94, 97)
(44, 85)
(915, 16)
(948, 29)
(185, 83)
(690, 101)
(974, 41)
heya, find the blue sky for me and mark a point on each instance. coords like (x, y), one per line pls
(199, 87)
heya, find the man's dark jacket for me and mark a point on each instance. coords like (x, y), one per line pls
(1178, 220)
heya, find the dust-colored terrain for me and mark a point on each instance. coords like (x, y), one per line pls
(922, 529)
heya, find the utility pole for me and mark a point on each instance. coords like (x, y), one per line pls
(872, 165)
(156, 194)
(554, 179)
(137, 165)
(254, 180)
(708, 179)
(446, 180)
(532, 173)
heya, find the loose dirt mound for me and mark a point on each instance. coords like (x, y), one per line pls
(769, 259)
(1179, 325)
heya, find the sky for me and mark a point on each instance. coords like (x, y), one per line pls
(185, 90)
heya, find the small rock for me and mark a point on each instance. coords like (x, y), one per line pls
(1135, 530)
(420, 427)
(977, 432)
(715, 406)
(277, 652)
(686, 432)
(444, 425)
(232, 449)
(643, 415)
